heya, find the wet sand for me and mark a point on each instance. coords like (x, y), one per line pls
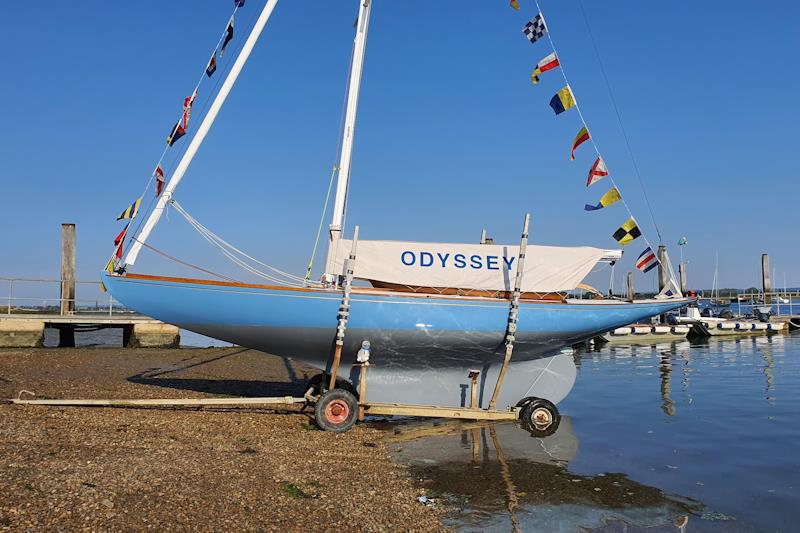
(187, 469)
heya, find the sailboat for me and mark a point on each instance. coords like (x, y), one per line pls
(431, 313)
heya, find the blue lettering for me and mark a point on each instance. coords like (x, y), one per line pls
(459, 261)
(475, 261)
(422, 259)
(508, 262)
(443, 258)
(411, 255)
(491, 262)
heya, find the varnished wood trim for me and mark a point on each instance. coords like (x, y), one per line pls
(356, 290)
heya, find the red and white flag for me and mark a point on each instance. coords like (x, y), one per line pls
(597, 172)
(187, 108)
(119, 239)
(159, 175)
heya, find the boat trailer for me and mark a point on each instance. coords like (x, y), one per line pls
(337, 405)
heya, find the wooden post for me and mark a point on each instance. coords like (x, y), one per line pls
(513, 312)
(631, 292)
(663, 274)
(344, 310)
(662, 268)
(473, 391)
(67, 269)
(362, 389)
(766, 282)
(682, 275)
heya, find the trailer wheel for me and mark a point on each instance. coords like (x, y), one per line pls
(540, 417)
(336, 411)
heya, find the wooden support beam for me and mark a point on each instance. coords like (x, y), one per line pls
(437, 412)
(68, 253)
(344, 310)
(513, 313)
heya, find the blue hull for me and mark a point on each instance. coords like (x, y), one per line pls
(422, 345)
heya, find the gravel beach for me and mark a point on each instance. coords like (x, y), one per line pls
(104, 469)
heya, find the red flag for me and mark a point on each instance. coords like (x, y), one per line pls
(159, 174)
(597, 172)
(119, 240)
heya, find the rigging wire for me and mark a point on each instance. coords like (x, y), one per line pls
(619, 120)
(185, 263)
(230, 250)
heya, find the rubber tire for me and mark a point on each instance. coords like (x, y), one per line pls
(327, 398)
(527, 414)
(315, 382)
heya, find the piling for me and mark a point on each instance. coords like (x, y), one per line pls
(682, 275)
(766, 282)
(662, 275)
(630, 286)
(662, 268)
(67, 269)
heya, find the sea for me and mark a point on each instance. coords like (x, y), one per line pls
(680, 436)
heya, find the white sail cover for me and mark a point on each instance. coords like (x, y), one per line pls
(470, 266)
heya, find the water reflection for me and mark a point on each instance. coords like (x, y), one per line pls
(501, 478)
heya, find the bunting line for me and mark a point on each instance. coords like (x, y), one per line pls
(158, 174)
(631, 220)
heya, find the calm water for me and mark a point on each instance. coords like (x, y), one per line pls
(113, 337)
(671, 437)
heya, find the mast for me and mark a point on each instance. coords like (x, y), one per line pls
(202, 131)
(348, 133)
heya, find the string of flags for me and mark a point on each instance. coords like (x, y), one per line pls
(178, 130)
(564, 100)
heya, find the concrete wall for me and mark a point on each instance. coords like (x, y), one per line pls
(21, 333)
(154, 336)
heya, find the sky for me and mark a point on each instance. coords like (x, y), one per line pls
(451, 136)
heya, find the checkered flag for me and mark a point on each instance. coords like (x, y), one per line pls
(535, 28)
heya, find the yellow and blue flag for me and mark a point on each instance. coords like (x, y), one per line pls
(563, 100)
(131, 211)
(611, 197)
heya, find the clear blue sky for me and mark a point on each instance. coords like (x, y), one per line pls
(451, 135)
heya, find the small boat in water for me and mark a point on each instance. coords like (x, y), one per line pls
(432, 313)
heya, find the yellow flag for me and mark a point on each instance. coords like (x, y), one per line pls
(628, 232)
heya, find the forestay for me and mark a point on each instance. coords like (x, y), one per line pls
(472, 266)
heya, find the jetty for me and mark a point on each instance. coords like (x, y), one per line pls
(27, 330)
(23, 324)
